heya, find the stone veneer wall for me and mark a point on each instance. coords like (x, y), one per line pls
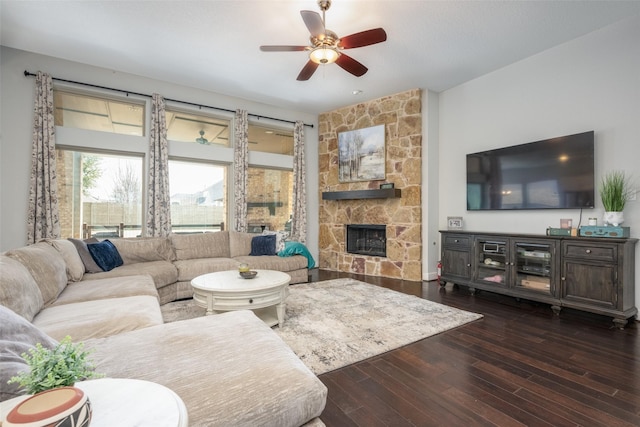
(401, 114)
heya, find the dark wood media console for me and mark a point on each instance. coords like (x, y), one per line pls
(590, 274)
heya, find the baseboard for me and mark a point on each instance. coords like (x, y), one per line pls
(430, 276)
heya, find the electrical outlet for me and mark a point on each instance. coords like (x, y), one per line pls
(633, 195)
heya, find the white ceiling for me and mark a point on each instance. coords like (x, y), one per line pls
(213, 45)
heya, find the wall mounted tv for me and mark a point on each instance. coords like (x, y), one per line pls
(556, 173)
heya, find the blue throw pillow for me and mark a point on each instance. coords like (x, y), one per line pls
(105, 255)
(297, 248)
(263, 245)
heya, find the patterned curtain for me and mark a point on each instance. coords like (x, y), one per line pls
(299, 220)
(240, 169)
(43, 218)
(158, 195)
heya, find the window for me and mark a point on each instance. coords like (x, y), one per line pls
(99, 195)
(269, 199)
(270, 140)
(101, 114)
(198, 196)
(204, 130)
(270, 190)
(101, 192)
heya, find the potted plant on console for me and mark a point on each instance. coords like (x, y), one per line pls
(615, 190)
(51, 379)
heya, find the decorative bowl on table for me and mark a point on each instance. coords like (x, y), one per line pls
(248, 274)
(59, 406)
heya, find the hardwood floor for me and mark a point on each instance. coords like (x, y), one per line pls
(518, 366)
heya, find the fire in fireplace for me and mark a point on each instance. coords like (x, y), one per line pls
(367, 239)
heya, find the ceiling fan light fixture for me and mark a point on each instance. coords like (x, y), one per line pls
(324, 55)
(325, 47)
(202, 139)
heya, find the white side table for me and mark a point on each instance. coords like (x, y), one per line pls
(125, 402)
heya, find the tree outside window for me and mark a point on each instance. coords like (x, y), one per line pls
(99, 195)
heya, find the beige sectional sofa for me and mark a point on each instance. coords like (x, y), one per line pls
(173, 262)
(229, 369)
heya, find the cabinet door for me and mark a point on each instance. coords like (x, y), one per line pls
(589, 273)
(492, 262)
(456, 263)
(533, 264)
(592, 284)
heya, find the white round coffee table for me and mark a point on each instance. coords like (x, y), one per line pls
(227, 291)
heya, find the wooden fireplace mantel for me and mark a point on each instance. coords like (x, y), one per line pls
(386, 193)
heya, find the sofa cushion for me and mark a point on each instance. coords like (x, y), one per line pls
(201, 245)
(90, 265)
(117, 287)
(239, 243)
(75, 266)
(274, 262)
(17, 336)
(46, 266)
(144, 249)
(163, 272)
(101, 318)
(18, 290)
(105, 254)
(191, 268)
(230, 369)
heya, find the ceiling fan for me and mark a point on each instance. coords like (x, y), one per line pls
(326, 47)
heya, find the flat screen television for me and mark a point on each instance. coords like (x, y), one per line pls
(556, 173)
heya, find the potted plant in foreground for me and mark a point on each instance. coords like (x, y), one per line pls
(615, 190)
(50, 379)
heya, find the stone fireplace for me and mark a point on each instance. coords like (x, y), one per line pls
(400, 213)
(367, 239)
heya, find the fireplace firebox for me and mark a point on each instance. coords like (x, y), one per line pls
(367, 239)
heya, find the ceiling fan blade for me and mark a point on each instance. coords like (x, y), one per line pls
(282, 48)
(313, 21)
(350, 65)
(307, 71)
(364, 38)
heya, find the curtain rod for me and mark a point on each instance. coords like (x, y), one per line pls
(28, 74)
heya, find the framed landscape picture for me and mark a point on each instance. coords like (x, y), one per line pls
(361, 154)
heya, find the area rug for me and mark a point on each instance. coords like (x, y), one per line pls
(335, 323)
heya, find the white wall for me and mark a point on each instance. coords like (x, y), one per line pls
(430, 183)
(16, 104)
(591, 83)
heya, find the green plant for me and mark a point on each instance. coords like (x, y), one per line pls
(58, 367)
(615, 190)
